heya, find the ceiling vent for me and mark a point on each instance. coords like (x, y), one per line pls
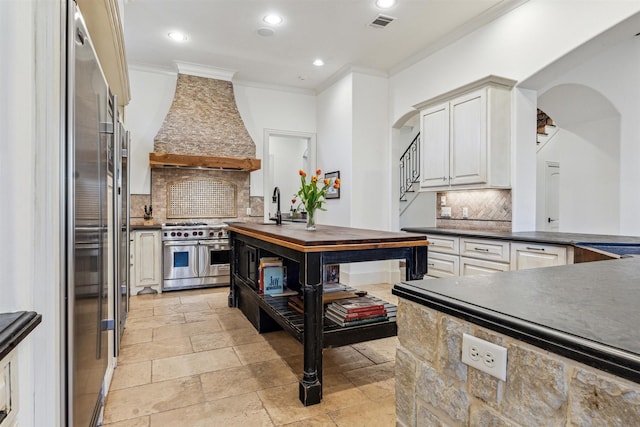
(381, 21)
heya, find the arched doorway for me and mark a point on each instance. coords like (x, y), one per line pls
(587, 146)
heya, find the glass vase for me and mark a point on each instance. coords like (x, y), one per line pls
(311, 220)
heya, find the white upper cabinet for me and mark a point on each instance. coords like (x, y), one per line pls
(466, 137)
(435, 141)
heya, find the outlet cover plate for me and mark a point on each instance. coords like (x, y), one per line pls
(484, 356)
(446, 212)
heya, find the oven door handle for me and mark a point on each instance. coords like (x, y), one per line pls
(221, 245)
(172, 243)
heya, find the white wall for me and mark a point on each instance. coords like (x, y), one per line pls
(30, 172)
(589, 188)
(511, 47)
(610, 88)
(334, 147)
(371, 158)
(516, 46)
(151, 96)
(264, 108)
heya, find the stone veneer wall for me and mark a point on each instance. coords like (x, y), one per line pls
(204, 120)
(489, 210)
(434, 388)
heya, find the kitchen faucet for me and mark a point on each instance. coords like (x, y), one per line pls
(276, 199)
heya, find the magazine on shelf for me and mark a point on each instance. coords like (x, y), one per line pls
(333, 287)
(357, 315)
(342, 323)
(264, 263)
(353, 305)
(273, 279)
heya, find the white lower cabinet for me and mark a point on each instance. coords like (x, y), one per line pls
(9, 390)
(472, 266)
(532, 255)
(465, 256)
(146, 270)
(442, 265)
(492, 250)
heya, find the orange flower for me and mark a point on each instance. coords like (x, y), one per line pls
(314, 179)
(338, 181)
(326, 181)
(336, 185)
(318, 171)
(302, 173)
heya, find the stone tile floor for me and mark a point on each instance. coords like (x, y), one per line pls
(188, 360)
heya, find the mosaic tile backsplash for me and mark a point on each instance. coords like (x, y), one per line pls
(487, 210)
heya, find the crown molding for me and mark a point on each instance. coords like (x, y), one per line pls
(204, 71)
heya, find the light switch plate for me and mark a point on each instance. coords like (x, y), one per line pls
(446, 211)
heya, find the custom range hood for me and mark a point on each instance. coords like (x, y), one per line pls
(203, 129)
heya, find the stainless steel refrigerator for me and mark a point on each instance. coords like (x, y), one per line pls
(89, 166)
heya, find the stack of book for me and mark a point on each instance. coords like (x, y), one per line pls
(356, 311)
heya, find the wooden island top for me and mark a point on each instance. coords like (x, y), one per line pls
(327, 238)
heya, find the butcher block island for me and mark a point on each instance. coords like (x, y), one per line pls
(304, 255)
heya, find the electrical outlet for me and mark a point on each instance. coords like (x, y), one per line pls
(248, 211)
(484, 356)
(446, 211)
(443, 200)
(465, 212)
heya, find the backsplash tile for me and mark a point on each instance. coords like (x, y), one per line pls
(487, 210)
(163, 179)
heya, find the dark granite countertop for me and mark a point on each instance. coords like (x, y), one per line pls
(550, 237)
(587, 312)
(14, 327)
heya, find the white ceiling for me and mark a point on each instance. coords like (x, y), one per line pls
(223, 35)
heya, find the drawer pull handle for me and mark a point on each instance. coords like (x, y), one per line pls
(481, 249)
(535, 249)
(430, 264)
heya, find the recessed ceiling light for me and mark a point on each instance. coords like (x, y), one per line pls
(318, 62)
(177, 36)
(266, 32)
(273, 19)
(385, 4)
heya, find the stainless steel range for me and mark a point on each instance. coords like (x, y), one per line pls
(195, 255)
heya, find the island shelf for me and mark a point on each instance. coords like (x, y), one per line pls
(305, 254)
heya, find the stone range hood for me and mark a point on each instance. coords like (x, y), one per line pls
(203, 129)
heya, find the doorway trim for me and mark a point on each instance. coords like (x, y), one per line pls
(548, 166)
(267, 159)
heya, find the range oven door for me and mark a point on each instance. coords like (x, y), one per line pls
(180, 260)
(213, 261)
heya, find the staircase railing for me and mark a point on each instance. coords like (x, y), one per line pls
(409, 168)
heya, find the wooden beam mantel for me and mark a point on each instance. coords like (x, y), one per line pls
(159, 160)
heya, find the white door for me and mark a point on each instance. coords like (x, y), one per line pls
(552, 196)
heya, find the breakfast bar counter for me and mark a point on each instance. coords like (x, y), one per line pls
(575, 326)
(305, 253)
